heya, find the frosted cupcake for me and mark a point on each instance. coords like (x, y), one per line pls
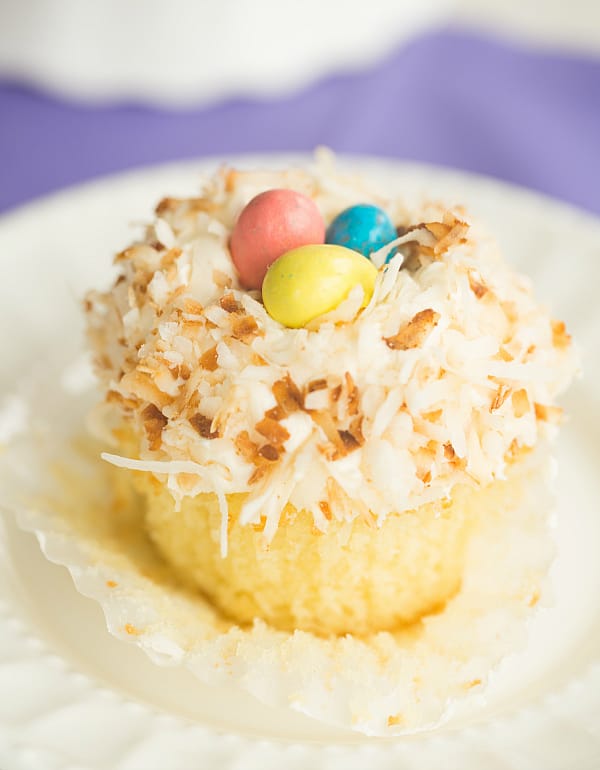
(315, 444)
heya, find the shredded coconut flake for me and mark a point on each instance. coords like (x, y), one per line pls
(430, 365)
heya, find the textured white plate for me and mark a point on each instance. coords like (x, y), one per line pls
(72, 697)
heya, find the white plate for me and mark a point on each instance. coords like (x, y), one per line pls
(73, 697)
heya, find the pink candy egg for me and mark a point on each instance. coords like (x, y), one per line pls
(274, 222)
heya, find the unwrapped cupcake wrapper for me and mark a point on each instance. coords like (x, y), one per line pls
(86, 518)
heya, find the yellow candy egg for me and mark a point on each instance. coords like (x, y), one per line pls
(311, 280)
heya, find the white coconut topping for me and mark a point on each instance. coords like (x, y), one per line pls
(449, 372)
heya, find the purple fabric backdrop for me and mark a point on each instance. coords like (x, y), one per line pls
(449, 98)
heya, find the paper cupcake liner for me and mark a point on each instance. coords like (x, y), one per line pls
(86, 518)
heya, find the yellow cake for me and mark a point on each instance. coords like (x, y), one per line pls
(323, 478)
(339, 581)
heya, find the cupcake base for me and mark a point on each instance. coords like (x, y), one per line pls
(356, 577)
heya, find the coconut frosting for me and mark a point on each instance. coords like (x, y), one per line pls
(448, 374)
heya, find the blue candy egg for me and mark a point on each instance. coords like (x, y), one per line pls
(364, 228)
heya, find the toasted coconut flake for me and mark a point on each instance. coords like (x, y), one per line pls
(244, 445)
(209, 360)
(451, 233)
(449, 452)
(203, 426)
(355, 430)
(520, 402)
(168, 260)
(478, 288)
(192, 307)
(439, 230)
(276, 413)
(551, 414)
(433, 416)
(342, 441)
(560, 338)
(348, 441)
(124, 256)
(245, 328)
(275, 433)
(336, 393)
(269, 452)
(154, 421)
(505, 355)
(325, 509)
(502, 394)
(288, 395)
(351, 394)
(319, 384)
(167, 205)
(114, 397)
(231, 179)
(201, 205)
(258, 473)
(230, 304)
(414, 333)
(142, 385)
(324, 419)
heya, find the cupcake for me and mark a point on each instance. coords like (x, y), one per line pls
(320, 393)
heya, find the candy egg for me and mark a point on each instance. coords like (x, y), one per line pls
(311, 280)
(363, 227)
(271, 224)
